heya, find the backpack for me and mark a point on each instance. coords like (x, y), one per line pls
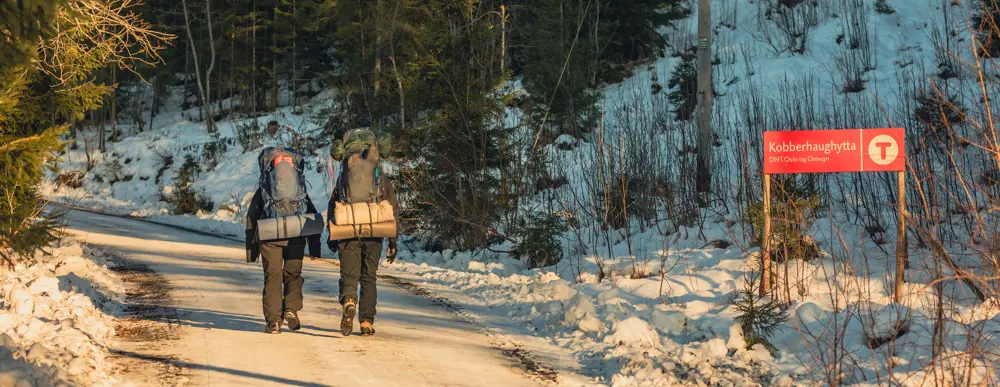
(360, 211)
(360, 177)
(282, 182)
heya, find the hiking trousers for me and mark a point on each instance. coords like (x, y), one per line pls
(282, 277)
(359, 263)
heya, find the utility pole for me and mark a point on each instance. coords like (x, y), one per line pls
(704, 183)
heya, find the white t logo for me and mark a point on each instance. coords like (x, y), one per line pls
(883, 149)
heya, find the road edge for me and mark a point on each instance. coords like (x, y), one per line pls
(510, 348)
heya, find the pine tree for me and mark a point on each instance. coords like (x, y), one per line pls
(40, 95)
(566, 50)
(25, 145)
(684, 84)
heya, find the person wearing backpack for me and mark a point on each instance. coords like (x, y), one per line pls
(363, 213)
(281, 221)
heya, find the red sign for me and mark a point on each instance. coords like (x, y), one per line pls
(844, 150)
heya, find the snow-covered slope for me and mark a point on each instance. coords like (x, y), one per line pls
(662, 312)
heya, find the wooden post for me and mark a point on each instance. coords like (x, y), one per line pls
(765, 240)
(704, 118)
(902, 263)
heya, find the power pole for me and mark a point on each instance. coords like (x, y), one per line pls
(704, 183)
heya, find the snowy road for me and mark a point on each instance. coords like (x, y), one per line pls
(217, 298)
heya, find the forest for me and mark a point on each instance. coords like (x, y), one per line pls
(557, 136)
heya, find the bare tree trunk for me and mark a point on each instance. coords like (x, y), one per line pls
(253, 61)
(114, 105)
(274, 61)
(187, 69)
(294, 55)
(100, 133)
(206, 108)
(152, 107)
(211, 66)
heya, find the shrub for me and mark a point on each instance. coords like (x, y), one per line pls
(72, 179)
(537, 239)
(883, 8)
(212, 150)
(760, 317)
(250, 135)
(684, 84)
(793, 209)
(184, 198)
(938, 111)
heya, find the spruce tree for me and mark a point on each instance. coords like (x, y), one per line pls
(26, 143)
(566, 50)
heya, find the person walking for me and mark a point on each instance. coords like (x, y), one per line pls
(281, 193)
(361, 184)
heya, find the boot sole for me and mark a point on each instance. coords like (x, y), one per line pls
(293, 322)
(347, 323)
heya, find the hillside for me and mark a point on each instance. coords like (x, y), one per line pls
(651, 300)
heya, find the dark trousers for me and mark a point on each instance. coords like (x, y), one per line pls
(359, 262)
(282, 277)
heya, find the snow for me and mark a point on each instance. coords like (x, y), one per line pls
(664, 291)
(53, 334)
(215, 310)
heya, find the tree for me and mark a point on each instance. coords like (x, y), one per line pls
(204, 89)
(684, 84)
(566, 49)
(51, 49)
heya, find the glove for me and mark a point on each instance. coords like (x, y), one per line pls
(390, 254)
(333, 245)
(251, 257)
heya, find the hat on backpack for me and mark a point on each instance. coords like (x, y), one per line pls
(358, 140)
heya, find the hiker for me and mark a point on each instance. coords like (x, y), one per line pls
(281, 221)
(362, 214)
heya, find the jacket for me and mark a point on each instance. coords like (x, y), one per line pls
(254, 214)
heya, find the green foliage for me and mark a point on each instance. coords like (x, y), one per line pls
(262, 48)
(24, 229)
(250, 135)
(429, 72)
(184, 198)
(760, 317)
(537, 235)
(213, 150)
(683, 83)
(28, 140)
(565, 50)
(883, 8)
(794, 208)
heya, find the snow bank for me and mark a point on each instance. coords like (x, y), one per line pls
(55, 319)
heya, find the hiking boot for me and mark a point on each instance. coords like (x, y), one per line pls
(347, 323)
(273, 327)
(367, 329)
(293, 320)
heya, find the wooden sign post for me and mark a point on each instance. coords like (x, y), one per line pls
(829, 151)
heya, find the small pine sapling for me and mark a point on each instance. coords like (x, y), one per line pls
(760, 317)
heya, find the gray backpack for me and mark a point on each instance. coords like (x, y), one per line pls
(360, 177)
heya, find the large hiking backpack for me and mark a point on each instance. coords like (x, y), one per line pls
(361, 211)
(283, 192)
